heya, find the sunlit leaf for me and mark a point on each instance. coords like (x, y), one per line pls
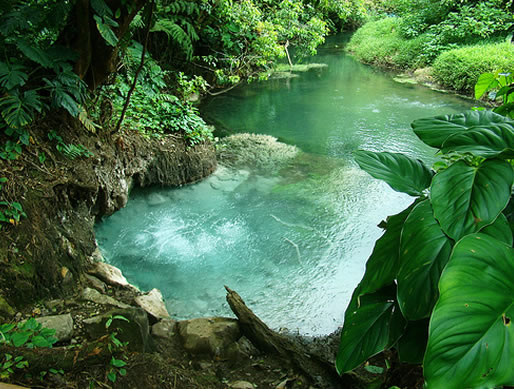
(466, 199)
(485, 83)
(402, 173)
(435, 130)
(471, 337)
(424, 252)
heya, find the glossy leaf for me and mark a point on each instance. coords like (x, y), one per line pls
(499, 230)
(471, 337)
(372, 324)
(383, 264)
(435, 130)
(402, 173)
(487, 142)
(485, 83)
(424, 252)
(466, 198)
(105, 31)
(413, 343)
(34, 53)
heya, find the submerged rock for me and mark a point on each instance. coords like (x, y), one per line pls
(258, 152)
(209, 335)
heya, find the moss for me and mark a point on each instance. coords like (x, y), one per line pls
(5, 308)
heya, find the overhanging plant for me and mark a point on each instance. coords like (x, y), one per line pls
(439, 284)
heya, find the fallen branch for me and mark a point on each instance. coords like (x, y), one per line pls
(322, 373)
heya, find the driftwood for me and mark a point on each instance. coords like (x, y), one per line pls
(322, 373)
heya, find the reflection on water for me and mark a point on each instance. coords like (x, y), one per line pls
(293, 243)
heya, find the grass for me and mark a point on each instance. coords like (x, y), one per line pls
(379, 43)
(460, 68)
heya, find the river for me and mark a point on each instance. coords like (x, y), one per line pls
(292, 242)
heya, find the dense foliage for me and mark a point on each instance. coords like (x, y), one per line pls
(438, 284)
(462, 37)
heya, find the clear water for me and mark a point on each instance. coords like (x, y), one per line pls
(293, 243)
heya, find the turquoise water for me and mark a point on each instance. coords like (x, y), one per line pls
(292, 242)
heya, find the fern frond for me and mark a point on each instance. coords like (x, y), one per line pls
(176, 34)
(86, 121)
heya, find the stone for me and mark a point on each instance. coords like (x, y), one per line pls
(99, 298)
(5, 308)
(242, 349)
(164, 328)
(95, 283)
(209, 335)
(153, 303)
(67, 277)
(135, 331)
(241, 385)
(109, 274)
(62, 324)
(54, 304)
(11, 386)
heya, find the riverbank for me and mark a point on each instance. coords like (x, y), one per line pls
(451, 67)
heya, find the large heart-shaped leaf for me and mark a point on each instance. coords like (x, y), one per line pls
(402, 173)
(424, 252)
(485, 83)
(372, 323)
(500, 230)
(435, 130)
(383, 264)
(487, 142)
(466, 198)
(471, 337)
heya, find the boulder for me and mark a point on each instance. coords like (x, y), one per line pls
(102, 299)
(242, 349)
(109, 274)
(95, 283)
(62, 324)
(164, 328)
(153, 303)
(134, 328)
(209, 335)
(241, 385)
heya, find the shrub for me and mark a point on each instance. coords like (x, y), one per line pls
(460, 68)
(380, 43)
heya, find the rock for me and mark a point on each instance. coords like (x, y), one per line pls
(164, 328)
(153, 303)
(99, 298)
(109, 274)
(135, 331)
(5, 308)
(209, 335)
(62, 324)
(54, 304)
(242, 349)
(241, 385)
(11, 386)
(95, 283)
(67, 277)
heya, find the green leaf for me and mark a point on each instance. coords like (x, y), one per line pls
(435, 130)
(402, 173)
(499, 230)
(383, 264)
(374, 369)
(117, 362)
(34, 53)
(18, 339)
(487, 142)
(12, 76)
(101, 8)
(106, 32)
(372, 324)
(485, 83)
(466, 198)
(424, 252)
(471, 337)
(40, 341)
(411, 346)
(111, 376)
